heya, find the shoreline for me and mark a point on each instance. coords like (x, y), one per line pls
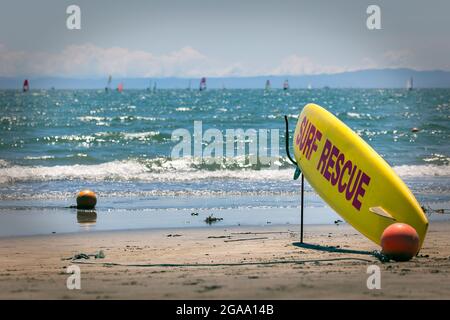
(34, 218)
(63, 221)
(245, 262)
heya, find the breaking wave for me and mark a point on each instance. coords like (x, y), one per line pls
(179, 170)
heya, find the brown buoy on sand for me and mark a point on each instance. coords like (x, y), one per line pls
(86, 199)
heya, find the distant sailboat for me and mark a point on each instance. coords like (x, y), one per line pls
(268, 86)
(26, 86)
(202, 84)
(154, 86)
(409, 84)
(108, 85)
(286, 84)
(120, 87)
(309, 86)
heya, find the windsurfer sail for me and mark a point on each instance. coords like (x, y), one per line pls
(120, 87)
(108, 85)
(286, 84)
(409, 84)
(202, 84)
(267, 85)
(26, 86)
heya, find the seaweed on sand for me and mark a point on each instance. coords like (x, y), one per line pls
(211, 219)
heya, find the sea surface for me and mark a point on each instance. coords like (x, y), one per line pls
(54, 143)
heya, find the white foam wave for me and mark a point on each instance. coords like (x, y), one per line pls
(104, 137)
(92, 118)
(39, 157)
(180, 170)
(109, 170)
(140, 135)
(183, 109)
(124, 118)
(3, 163)
(354, 115)
(177, 170)
(58, 195)
(423, 170)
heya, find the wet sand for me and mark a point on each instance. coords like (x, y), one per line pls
(221, 263)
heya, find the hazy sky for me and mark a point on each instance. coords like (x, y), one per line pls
(220, 38)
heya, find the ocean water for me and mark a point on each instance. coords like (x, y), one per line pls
(54, 143)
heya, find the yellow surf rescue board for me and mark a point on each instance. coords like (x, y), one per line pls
(351, 177)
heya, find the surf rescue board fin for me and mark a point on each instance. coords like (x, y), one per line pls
(381, 212)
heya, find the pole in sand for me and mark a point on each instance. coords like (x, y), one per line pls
(301, 209)
(297, 173)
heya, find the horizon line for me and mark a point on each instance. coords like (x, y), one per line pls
(225, 76)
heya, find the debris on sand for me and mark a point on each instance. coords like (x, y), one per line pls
(100, 255)
(79, 256)
(428, 210)
(211, 219)
(381, 256)
(246, 239)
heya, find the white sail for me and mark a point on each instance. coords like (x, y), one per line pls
(409, 84)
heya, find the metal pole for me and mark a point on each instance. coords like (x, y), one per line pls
(301, 210)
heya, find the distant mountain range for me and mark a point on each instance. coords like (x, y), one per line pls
(373, 78)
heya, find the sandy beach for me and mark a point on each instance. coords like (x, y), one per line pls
(218, 263)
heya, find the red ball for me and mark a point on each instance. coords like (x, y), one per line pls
(400, 242)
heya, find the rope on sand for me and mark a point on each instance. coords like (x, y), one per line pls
(175, 265)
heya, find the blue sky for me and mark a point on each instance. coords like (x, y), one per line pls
(219, 38)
